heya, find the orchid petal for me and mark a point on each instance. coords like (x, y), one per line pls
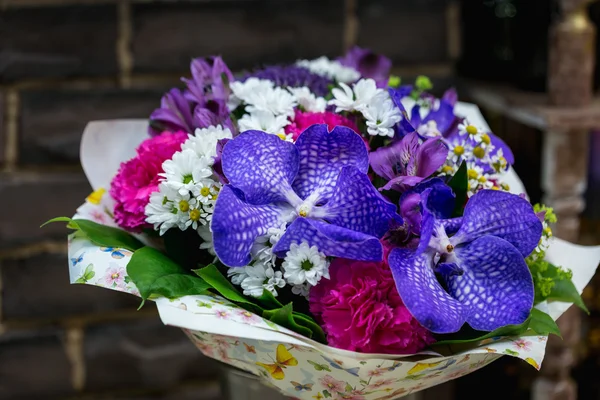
(333, 241)
(236, 225)
(355, 204)
(452, 225)
(422, 294)
(496, 284)
(322, 156)
(262, 166)
(501, 214)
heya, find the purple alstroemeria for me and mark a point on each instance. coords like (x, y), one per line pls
(482, 266)
(319, 186)
(369, 64)
(174, 114)
(406, 162)
(210, 80)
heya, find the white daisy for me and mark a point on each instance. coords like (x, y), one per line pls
(429, 129)
(331, 69)
(343, 99)
(208, 190)
(305, 264)
(381, 115)
(265, 121)
(161, 210)
(191, 215)
(307, 100)
(261, 277)
(359, 97)
(466, 128)
(458, 151)
(302, 290)
(185, 171)
(204, 141)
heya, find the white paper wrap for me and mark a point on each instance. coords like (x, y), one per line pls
(297, 366)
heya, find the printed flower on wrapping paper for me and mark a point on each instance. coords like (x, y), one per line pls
(332, 384)
(115, 276)
(381, 382)
(222, 314)
(522, 344)
(406, 162)
(318, 185)
(483, 267)
(248, 317)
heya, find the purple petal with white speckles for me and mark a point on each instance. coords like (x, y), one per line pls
(322, 156)
(355, 204)
(501, 214)
(261, 165)
(496, 284)
(236, 225)
(422, 294)
(451, 225)
(332, 240)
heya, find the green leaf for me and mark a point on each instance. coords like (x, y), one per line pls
(156, 274)
(212, 276)
(564, 290)
(460, 185)
(308, 322)
(538, 322)
(101, 235)
(326, 394)
(348, 388)
(268, 301)
(284, 317)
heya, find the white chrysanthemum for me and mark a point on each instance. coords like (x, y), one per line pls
(261, 277)
(237, 275)
(459, 151)
(302, 290)
(264, 121)
(359, 97)
(307, 100)
(466, 128)
(208, 190)
(331, 69)
(190, 213)
(161, 210)
(277, 101)
(304, 264)
(207, 238)
(241, 91)
(185, 171)
(429, 129)
(204, 141)
(381, 115)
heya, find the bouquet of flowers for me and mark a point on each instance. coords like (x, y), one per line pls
(326, 227)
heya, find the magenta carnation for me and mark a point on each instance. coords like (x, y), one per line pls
(303, 120)
(138, 178)
(361, 310)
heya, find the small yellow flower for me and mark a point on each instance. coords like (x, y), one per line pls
(459, 150)
(447, 169)
(471, 130)
(195, 215)
(485, 138)
(479, 152)
(472, 174)
(184, 206)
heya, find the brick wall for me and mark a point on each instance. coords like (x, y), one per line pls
(65, 62)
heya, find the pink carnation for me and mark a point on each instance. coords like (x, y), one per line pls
(303, 120)
(138, 178)
(361, 310)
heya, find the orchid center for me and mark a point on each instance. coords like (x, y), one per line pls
(195, 215)
(459, 150)
(184, 206)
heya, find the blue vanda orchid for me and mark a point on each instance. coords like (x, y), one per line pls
(318, 187)
(486, 282)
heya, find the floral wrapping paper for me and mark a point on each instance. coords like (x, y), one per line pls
(295, 365)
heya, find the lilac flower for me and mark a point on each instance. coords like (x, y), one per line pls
(318, 185)
(210, 80)
(293, 76)
(482, 266)
(406, 162)
(369, 64)
(174, 114)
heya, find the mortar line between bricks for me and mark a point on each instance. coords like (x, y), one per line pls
(32, 250)
(73, 347)
(453, 29)
(351, 25)
(1, 297)
(123, 43)
(11, 151)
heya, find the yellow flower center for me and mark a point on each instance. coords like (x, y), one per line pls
(485, 138)
(447, 169)
(115, 275)
(96, 196)
(472, 174)
(482, 179)
(495, 188)
(471, 130)
(479, 152)
(205, 191)
(184, 206)
(282, 136)
(548, 231)
(195, 214)
(459, 150)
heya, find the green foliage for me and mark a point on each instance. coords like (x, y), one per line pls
(459, 183)
(554, 283)
(101, 235)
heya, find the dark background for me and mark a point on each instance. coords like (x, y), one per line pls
(66, 62)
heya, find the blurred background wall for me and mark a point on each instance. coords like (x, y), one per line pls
(66, 62)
